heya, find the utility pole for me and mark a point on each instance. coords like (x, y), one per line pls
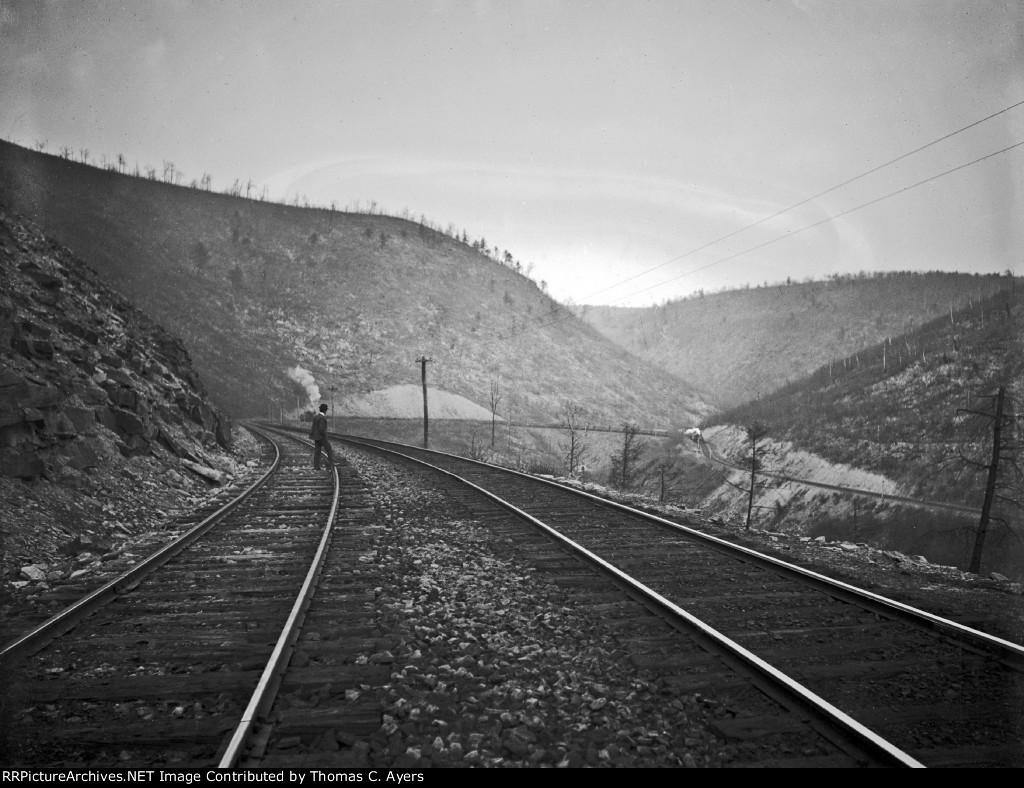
(333, 423)
(990, 486)
(755, 432)
(422, 361)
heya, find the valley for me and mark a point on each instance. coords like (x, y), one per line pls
(282, 307)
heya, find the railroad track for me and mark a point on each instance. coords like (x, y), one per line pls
(225, 657)
(908, 687)
(177, 662)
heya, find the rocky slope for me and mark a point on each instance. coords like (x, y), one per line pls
(255, 289)
(883, 516)
(100, 409)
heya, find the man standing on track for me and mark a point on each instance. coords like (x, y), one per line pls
(318, 434)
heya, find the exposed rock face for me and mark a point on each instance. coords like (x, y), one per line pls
(82, 372)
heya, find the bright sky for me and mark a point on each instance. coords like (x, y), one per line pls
(595, 140)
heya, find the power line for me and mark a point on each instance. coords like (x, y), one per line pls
(795, 205)
(806, 200)
(796, 232)
(828, 218)
(779, 213)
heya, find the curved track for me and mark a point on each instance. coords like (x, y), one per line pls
(938, 693)
(179, 662)
(171, 663)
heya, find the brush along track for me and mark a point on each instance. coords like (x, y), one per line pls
(943, 694)
(161, 673)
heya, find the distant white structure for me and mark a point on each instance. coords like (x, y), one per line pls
(694, 434)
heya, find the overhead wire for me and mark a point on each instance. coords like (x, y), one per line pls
(792, 207)
(806, 200)
(789, 234)
(830, 218)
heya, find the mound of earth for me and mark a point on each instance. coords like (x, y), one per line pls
(406, 402)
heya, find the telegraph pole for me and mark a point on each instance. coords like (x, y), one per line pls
(422, 361)
(990, 487)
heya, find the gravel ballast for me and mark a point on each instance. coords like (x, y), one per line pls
(494, 665)
(491, 663)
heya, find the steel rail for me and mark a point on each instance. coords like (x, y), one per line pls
(263, 696)
(805, 698)
(845, 591)
(65, 620)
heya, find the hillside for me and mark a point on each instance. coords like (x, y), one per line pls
(99, 407)
(894, 407)
(255, 289)
(741, 344)
(889, 420)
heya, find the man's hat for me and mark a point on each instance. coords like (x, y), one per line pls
(323, 408)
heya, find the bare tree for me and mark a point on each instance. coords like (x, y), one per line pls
(624, 463)
(664, 463)
(571, 419)
(496, 397)
(477, 450)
